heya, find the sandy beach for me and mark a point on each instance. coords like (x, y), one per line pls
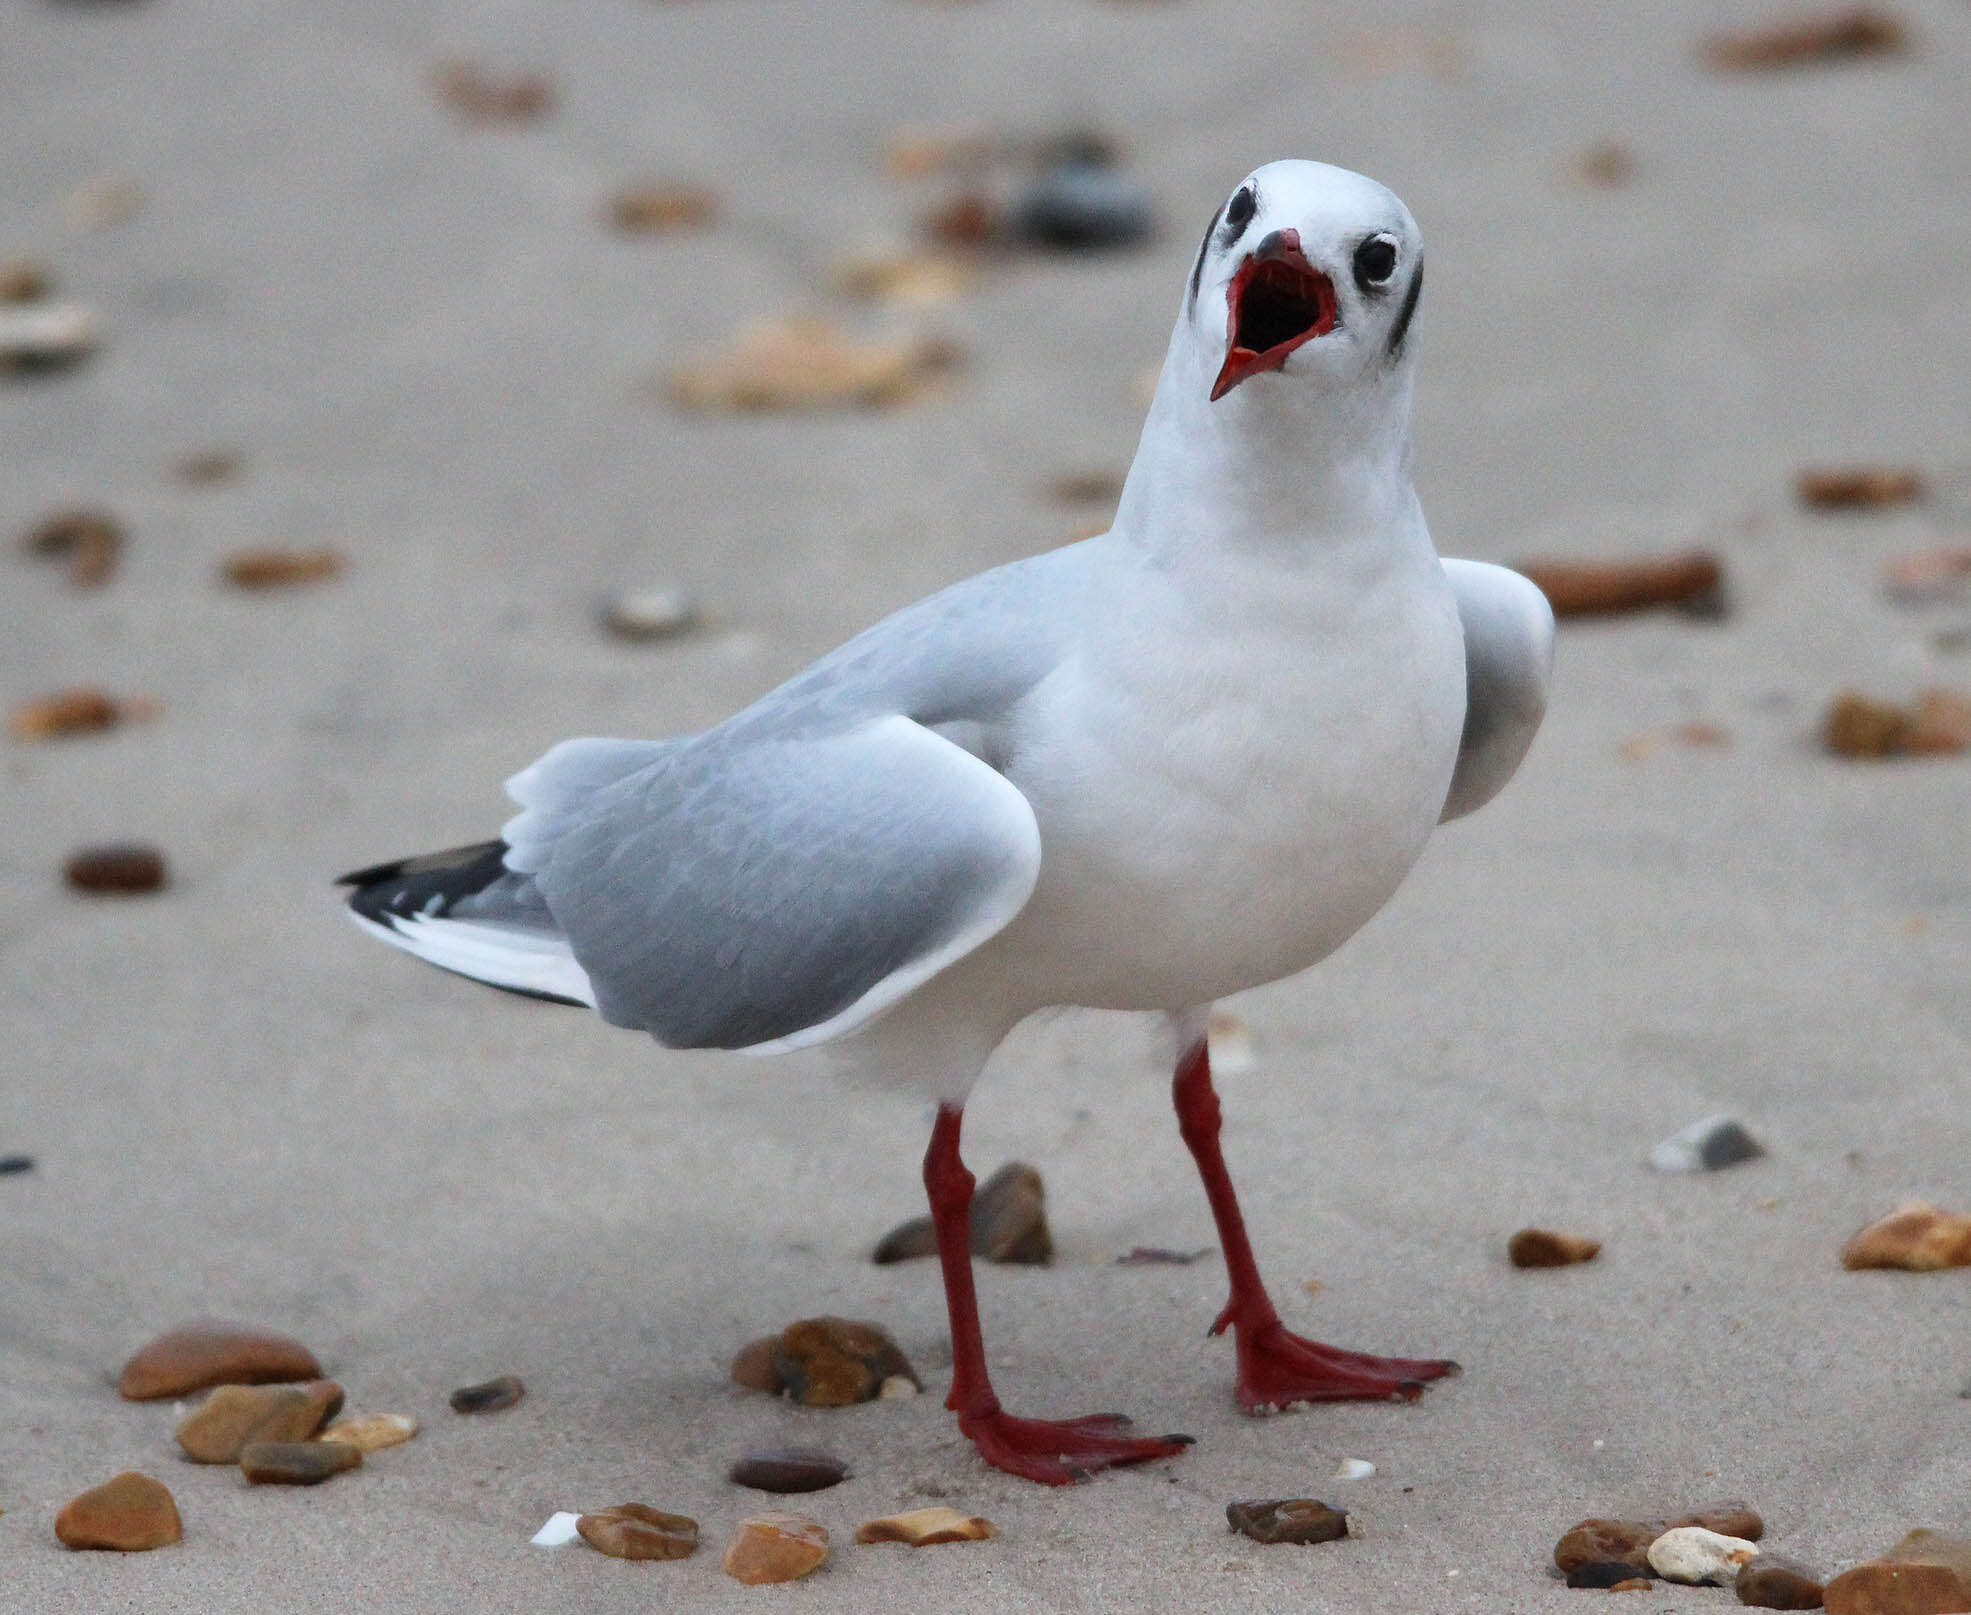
(430, 351)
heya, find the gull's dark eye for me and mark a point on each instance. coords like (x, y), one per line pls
(1239, 211)
(1375, 262)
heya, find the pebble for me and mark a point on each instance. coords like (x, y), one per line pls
(1706, 1146)
(635, 1531)
(1697, 1557)
(1608, 166)
(1635, 1584)
(81, 711)
(272, 568)
(24, 280)
(1778, 1584)
(10, 1165)
(1009, 1224)
(481, 97)
(124, 866)
(1354, 1469)
(47, 336)
(788, 1469)
(130, 1514)
(897, 1388)
(1605, 1573)
(90, 540)
(490, 1397)
(297, 1463)
(205, 468)
(645, 614)
(753, 1367)
(1858, 32)
(1856, 725)
(1287, 1519)
(652, 207)
(833, 1362)
(805, 363)
(234, 1416)
(927, 1527)
(372, 1432)
(775, 1547)
(1917, 1237)
(906, 279)
(1925, 1573)
(1161, 1256)
(1927, 577)
(1542, 1247)
(1693, 581)
(1603, 1540)
(1084, 206)
(197, 1355)
(561, 1529)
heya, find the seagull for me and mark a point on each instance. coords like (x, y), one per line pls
(1144, 771)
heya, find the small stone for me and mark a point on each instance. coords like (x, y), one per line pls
(753, 1366)
(11, 1165)
(926, 1527)
(296, 1463)
(1287, 1519)
(1691, 582)
(1834, 37)
(47, 336)
(1161, 1256)
(645, 614)
(833, 1362)
(482, 97)
(1604, 1542)
(491, 1397)
(775, 1547)
(1084, 206)
(908, 280)
(90, 540)
(372, 1432)
(1354, 1469)
(1706, 1146)
(235, 1416)
(122, 867)
(1542, 1247)
(1917, 1237)
(635, 1531)
(1634, 1584)
(66, 712)
(1697, 1557)
(205, 1353)
(1927, 1573)
(23, 280)
(130, 1514)
(653, 207)
(561, 1529)
(969, 219)
(907, 1242)
(1927, 577)
(1105, 488)
(280, 568)
(1778, 1584)
(1856, 726)
(1941, 723)
(788, 1469)
(805, 363)
(1860, 487)
(1605, 1573)
(897, 1388)
(205, 468)
(1009, 1224)
(1608, 166)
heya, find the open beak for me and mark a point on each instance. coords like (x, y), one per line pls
(1276, 301)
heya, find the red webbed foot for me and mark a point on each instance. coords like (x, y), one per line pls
(1059, 1452)
(1277, 1369)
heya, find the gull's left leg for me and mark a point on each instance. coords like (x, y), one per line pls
(1275, 1367)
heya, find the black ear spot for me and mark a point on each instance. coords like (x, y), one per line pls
(1375, 262)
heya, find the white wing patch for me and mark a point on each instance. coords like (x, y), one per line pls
(522, 958)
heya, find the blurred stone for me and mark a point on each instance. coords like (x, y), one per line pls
(805, 363)
(24, 280)
(204, 1353)
(1860, 487)
(1927, 577)
(833, 1362)
(1709, 1145)
(1287, 1519)
(647, 614)
(272, 568)
(1917, 1237)
(636, 1531)
(130, 1514)
(655, 207)
(1941, 723)
(481, 96)
(1084, 206)
(47, 336)
(753, 1366)
(104, 202)
(1693, 582)
(1768, 1583)
(1927, 1573)
(775, 1547)
(1009, 1224)
(124, 868)
(296, 1463)
(1832, 37)
(1607, 166)
(90, 540)
(204, 468)
(1542, 1247)
(909, 280)
(66, 712)
(493, 1396)
(926, 1527)
(788, 1469)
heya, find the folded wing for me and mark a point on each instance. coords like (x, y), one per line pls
(1509, 658)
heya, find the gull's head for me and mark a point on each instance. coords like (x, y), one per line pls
(1307, 278)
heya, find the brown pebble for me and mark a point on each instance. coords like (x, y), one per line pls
(1833, 37)
(1542, 1247)
(1603, 1540)
(775, 1547)
(1632, 1584)
(832, 1362)
(1287, 1519)
(90, 540)
(372, 1432)
(1009, 1224)
(970, 219)
(24, 280)
(490, 1397)
(788, 1469)
(1693, 581)
(636, 1531)
(203, 468)
(927, 1527)
(280, 568)
(66, 712)
(204, 1353)
(1859, 487)
(125, 867)
(483, 97)
(235, 1416)
(297, 1463)
(1927, 577)
(1607, 166)
(130, 1514)
(753, 1366)
(1917, 1237)
(805, 363)
(1927, 1573)
(1939, 724)
(655, 206)
(1769, 1583)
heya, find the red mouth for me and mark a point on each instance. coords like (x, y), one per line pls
(1277, 301)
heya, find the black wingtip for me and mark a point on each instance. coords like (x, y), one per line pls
(407, 885)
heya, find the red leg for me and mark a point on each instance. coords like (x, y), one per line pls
(1053, 1452)
(1275, 1367)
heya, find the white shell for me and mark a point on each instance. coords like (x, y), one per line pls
(558, 1532)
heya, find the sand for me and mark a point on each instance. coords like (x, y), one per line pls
(432, 355)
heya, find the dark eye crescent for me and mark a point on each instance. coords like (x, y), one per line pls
(1375, 262)
(1239, 211)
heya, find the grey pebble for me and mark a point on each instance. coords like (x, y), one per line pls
(490, 1397)
(1083, 205)
(788, 1469)
(1706, 1146)
(12, 1164)
(645, 614)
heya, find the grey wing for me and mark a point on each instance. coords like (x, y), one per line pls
(771, 892)
(1509, 658)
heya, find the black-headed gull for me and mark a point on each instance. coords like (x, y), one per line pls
(1185, 758)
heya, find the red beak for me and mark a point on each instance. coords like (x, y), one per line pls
(1276, 301)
